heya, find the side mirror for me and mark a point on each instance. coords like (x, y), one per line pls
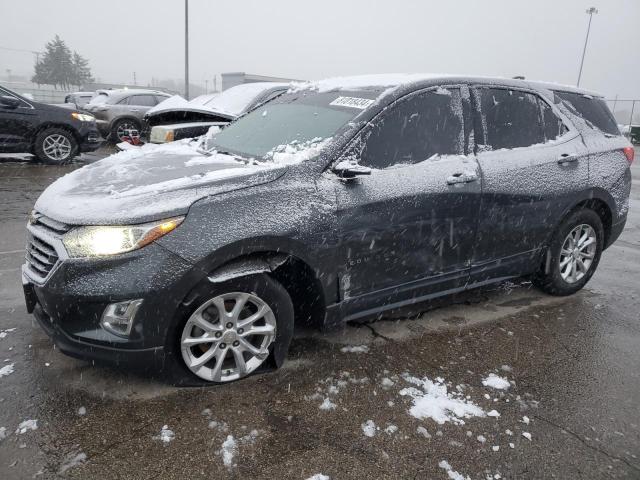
(347, 169)
(9, 102)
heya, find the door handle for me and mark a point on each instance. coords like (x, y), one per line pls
(567, 157)
(135, 110)
(462, 177)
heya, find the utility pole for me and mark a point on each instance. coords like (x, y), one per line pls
(590, 11)
(186, 49)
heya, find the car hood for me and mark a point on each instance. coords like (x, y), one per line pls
(179, 104)
(148, 183)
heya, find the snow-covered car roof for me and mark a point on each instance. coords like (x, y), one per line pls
(117, 94)
(396, 80)
(231, 103)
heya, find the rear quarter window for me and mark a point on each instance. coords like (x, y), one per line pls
(593, 109)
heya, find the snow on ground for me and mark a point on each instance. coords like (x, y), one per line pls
(3, 433)
(6, 370)
(452, 474)
(319, 476)
(3, 333)
(369, 428)
(432, 400)
(387, 383)
(526, 435)
(82, 411)
(228, 451)
(494, 381)
(355, 349)
(166, 435)
(72, 460)
(327, 405)
(27, 425)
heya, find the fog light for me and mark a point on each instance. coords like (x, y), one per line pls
(118, 318)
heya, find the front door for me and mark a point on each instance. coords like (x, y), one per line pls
(16, 125)
(407, 230)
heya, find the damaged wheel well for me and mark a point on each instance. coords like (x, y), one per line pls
(295, 275)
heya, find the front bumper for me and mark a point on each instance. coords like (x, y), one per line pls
(104, 127)
(70, 302)
(90, 138)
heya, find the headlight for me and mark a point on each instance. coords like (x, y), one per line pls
(83, 117)
(97, 241)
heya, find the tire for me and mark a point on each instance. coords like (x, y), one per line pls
(55, 146)
(124, 123)
(258, 288)
(556, 275)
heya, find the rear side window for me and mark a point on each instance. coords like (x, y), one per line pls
(415, 129)
(594, 110)
(510, 118)
(143, 100)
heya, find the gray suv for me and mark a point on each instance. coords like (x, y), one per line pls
(117, 111)
(338, 200)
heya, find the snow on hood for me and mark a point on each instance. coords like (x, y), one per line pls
(158, 181)
(231, 103)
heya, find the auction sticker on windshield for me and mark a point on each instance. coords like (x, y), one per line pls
(352, 102)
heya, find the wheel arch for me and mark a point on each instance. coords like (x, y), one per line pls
(48, 124)
(311, 287)
(601, 202)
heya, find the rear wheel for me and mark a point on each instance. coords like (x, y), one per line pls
(573, 255)
(236, 328)
(121, 127)
(55, 146)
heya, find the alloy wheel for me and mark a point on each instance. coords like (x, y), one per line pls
(57, 147)
(577, 253)
(123, 129)
(228, 337)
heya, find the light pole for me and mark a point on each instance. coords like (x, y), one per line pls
(186, 49)
(590, 11)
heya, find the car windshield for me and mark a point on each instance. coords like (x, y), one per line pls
(99, 99)
(291, 119)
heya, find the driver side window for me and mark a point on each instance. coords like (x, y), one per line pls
(416, 128)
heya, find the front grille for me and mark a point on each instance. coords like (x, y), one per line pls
(41, 254)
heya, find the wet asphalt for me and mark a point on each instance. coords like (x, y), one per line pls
(573, 364)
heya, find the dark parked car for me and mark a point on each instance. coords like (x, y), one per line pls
(53, 134)
(119, 111)
(176, 118)
(338, 200)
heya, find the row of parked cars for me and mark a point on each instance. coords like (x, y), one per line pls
(57, 133)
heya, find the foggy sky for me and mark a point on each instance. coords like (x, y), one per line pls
(540, 39)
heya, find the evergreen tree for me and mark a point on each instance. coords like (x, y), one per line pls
(59, 67)
(81, 70)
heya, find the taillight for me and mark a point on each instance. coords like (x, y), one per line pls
(629, 152)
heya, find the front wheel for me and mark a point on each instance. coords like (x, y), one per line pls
(55, 146)
(235, 328)
(573, 255)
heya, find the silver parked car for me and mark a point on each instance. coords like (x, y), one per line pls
(118, 111)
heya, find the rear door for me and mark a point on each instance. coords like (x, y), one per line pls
(407, 230)
(140, 104)
(534, 165)
(16, 125)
